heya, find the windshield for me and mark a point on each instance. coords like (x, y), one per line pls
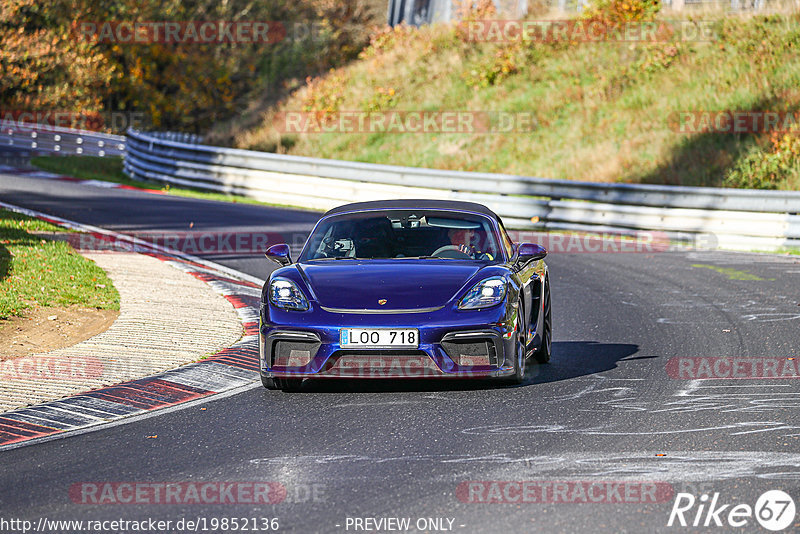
(404, 234)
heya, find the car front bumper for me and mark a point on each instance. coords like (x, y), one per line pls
(452, 344)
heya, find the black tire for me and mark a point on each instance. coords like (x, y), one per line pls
(520, 359)
(542, 354)
(270, 383)
(290, 385)
(284, 384)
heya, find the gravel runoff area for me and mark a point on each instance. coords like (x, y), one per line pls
(167, 318)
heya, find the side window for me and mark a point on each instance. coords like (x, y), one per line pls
(320, 249)
(335, 242)
(487, 240)
(507, 243)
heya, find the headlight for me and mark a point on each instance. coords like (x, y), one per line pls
(484, 294)
(285, 294)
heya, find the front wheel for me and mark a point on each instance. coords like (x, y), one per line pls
(520, 362)
(544, 351)
(270, 383)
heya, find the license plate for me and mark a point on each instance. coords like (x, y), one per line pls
(378, 338)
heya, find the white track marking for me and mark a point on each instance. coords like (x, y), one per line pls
(673, 466)
(137, 417)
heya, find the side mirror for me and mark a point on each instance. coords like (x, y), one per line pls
(279, 254)
(530, 252)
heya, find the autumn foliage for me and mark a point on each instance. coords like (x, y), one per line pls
(47, 66)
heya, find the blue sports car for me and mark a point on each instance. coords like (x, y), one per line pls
(405, 289)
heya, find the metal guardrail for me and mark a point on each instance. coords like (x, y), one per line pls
(732, 218)
(181, 137)
(418, 12)
(46, 139)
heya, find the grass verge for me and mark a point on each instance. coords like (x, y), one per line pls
(603, 111)
(37, 272)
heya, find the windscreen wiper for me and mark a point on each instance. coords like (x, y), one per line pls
(421, 258)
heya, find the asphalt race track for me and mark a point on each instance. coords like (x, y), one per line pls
(607, 409)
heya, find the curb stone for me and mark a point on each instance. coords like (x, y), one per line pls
(228, 369)
(175, 321)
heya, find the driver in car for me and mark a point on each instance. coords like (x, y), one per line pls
(462, 238)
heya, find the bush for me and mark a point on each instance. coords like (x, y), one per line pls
(48, 66)
(387, 38)
(324, 94)
(766, 167)
(615, 12)
(382, 99)
(502, 64)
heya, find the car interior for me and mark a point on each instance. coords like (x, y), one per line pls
(397, 236)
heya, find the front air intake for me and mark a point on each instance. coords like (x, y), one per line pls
(293, 353)
(471, 351)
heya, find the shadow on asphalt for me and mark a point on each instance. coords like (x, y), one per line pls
(571, 359)
(137, 213)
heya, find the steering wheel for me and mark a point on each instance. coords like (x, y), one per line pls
(451, 252)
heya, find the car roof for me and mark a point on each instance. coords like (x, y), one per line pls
(453, 205)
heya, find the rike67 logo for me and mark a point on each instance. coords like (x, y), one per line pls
(774, 510)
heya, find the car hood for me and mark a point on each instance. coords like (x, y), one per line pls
(404, 284)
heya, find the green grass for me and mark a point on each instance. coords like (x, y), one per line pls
(36, 272)
(109, 169)
(785, 251)
(605, 111)
(732, 274)
(18, 221)
(88, 168)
